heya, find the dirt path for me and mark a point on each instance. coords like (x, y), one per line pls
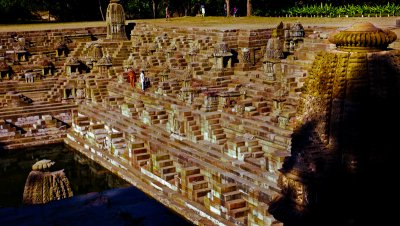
(218, 23)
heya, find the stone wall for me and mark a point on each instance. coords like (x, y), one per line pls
(45, 40)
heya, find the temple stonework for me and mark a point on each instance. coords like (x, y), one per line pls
(335, 142)
(115, 20)
(44, 186)
(234, 127)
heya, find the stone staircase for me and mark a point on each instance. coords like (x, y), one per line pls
(153, 116)
(220, 78)
(14, 99)
(132, 108)
(177, 61)
(164, 167)
(262, 106)
(37, 86)
(7, 132)
(232, 200)
(193, 129)
(22, 131)
(79, 50)
(212, 129)
(98, 89)
(113, 102)
(246, 150)
(97, 133)
(194, 184)
(32, 110)
(201, 67)
(81, 124)
(139, 154)
(57, 90)
(118, 146)
(168, 88)
(121, 53)
(226, 200)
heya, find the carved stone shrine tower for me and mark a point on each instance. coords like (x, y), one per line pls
(343, 146)
(43, 186)
(115, 21)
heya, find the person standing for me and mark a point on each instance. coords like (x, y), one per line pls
(225, 12)
(142, 80)
(132, 77)
(166, 13)
(203, 11)
(234, 11)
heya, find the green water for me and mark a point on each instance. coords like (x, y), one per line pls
(85, 176)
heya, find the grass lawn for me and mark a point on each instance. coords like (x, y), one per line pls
(217, 22)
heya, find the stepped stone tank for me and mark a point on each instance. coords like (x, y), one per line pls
(43, 186)
(342, 138)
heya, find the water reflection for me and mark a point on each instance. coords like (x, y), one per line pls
(84, 175)
(124, 205)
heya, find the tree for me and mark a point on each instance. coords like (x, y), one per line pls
(249, 8)
(12, 11)
(228, 6)
(155, 4)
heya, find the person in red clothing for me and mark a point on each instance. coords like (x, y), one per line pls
(132, 77)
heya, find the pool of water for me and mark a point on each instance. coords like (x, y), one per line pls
(84, 174)
(97, 192)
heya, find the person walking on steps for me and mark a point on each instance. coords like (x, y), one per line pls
(203, 11)
(131, 77)
(142, 80)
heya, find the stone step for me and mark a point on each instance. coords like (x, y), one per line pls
(199, 194)
(218, 131)
(196, 133)
(195, 177)
(143, 162)
(167, 169)
(169, 176)
(233, 195)
(139, 150)
(197, 138)
(239, 212)
(255, 148)
(221, 141)
(165, 163)
(160, 157)
(215, 126)
(198, 185)
(219, 136)
(141, 156)
(191, 170)
(257, 154)
(235, 204)
(194, 128)
(191, 123)
(224, 188)
(208, 117)
(213, 121)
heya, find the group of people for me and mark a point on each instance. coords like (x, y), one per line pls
(144, 82)
(202, 11)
